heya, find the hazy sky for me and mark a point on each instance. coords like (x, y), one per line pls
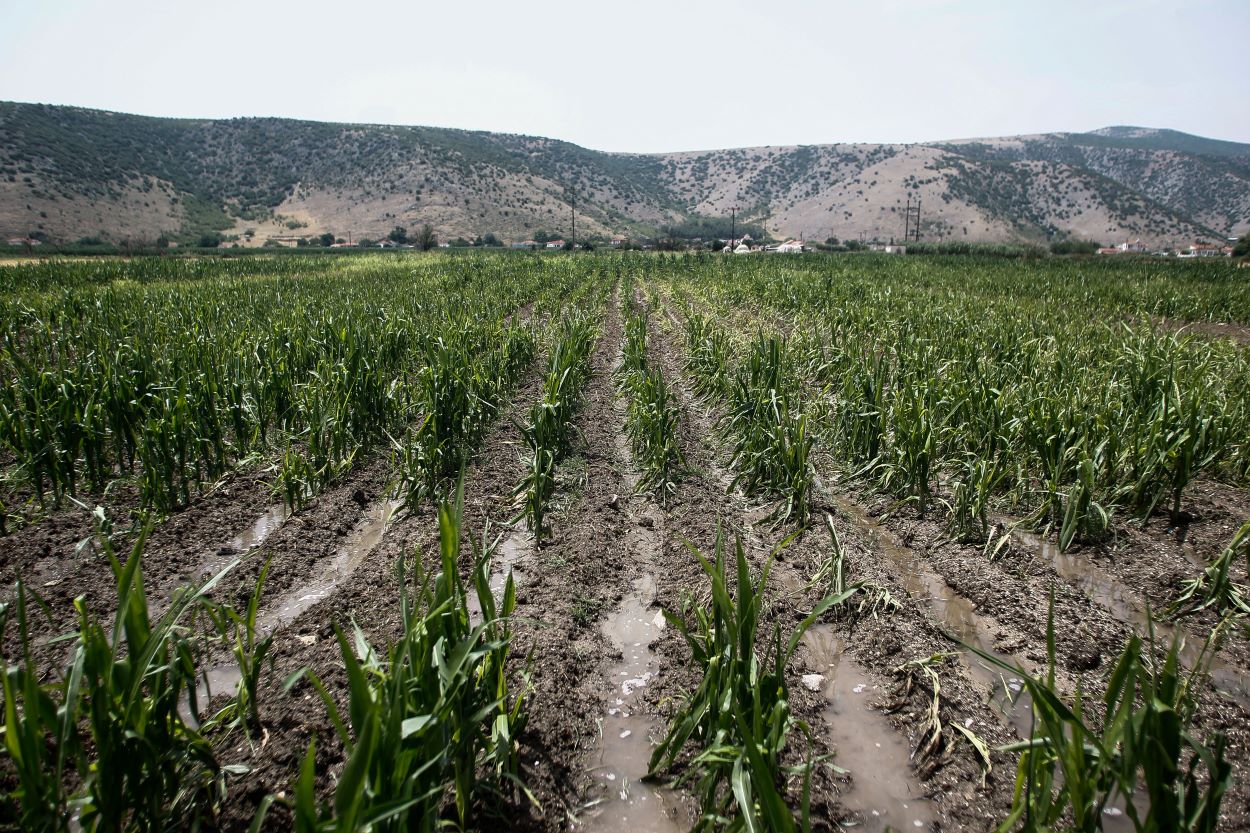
(647, 75)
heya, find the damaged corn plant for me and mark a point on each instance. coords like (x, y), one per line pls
(651, 413)
(431, 722)
(547, 431)
(738, 722)
(976, 392)
(1144, 758)
(113, 740)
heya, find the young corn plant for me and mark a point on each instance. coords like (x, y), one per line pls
(546, 433)
(1215, 588)
(431, 724)
(772, 446)
(738, 720)
(975, 485)
(707, 360)
(1145, 754)
(251, 653)
(116, 719)
(652, 414)
(468, 373)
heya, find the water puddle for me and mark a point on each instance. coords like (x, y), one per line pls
(883, 789)
(366, 535)
(363, 538)
(1127, 606)
(260, 530)
(1008, 696)
(508, 552)
(247, 540)
(221, 679)
(626, 803)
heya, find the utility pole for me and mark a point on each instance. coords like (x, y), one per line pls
(573, 206)
(911, 231)
(733, 226)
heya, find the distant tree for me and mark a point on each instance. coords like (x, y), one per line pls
(210, 240)
(460, 242)
(568, 245)
(542, 236)
(426, 239)
(1242, 249)
(831, 241)
(588, 246)
(491, 239)
(366, 243)
(1074, 247)
(162, 242)
(399, 234)
(326, 239)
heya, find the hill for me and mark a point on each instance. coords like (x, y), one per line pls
(70, 172)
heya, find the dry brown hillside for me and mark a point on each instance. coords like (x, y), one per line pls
(70, 173)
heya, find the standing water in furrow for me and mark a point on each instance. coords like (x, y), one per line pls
(883, 790)
(957, 613)
(628, 804)
(247, 540)
(361, 541)
(508, 551)
(1127, 606)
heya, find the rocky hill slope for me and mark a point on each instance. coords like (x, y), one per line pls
(71, 173)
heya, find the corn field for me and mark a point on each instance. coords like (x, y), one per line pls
(333, 543)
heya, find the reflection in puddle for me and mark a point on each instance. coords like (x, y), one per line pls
(958, 614)
(247, 540)
(508, 552)
(222, 679)
(883, 790)
(366, 535)
(260, 530)
(629, 805)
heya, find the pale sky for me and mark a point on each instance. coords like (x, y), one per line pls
(646, 75)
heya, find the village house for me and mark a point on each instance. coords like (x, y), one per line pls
(1204, 250)
(1133, 247)
(555, 244)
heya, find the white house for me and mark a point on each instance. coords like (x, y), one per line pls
(791, 247)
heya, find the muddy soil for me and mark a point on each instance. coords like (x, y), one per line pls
(947, 783)
(1099, 603)
(1237, 333)
(607, 675)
